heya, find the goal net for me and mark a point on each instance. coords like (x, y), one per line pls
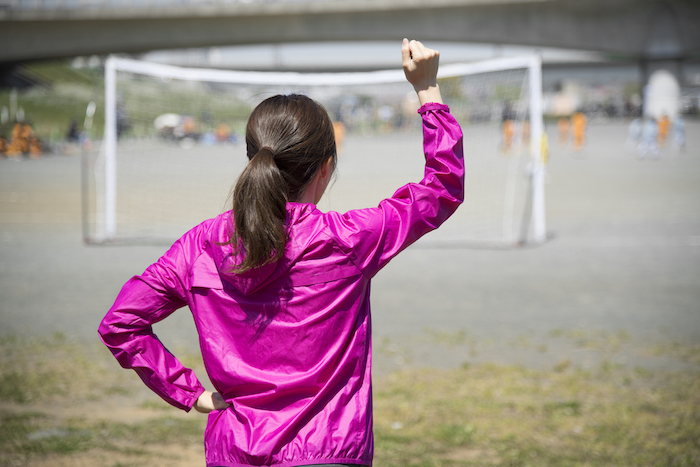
(174, 146)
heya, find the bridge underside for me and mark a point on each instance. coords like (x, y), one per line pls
(633, 29)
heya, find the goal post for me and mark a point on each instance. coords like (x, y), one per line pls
(173, 147)
(533, 64)
(110, 151)
(539, 226)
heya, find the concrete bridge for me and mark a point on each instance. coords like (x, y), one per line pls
(642, 30)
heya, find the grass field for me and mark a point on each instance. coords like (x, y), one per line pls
(68, 404)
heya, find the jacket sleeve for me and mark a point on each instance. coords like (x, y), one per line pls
(373, 236)
(143, 301)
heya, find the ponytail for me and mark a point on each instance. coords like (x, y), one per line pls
(259, 211)
(288, 138)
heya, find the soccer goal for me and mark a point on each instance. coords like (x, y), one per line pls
(174, 146)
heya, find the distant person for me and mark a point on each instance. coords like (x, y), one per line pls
(507, 128)
(563, 127)
(33, 143)
(525, 132)
(73, 135)
(280, 291)
(664, 127)
(578, 122)
(650, 139)
(123, 121)
(386, 114)
(339, 132)
(189, 127)
(34, 147)
(222, 132)
(678, 129)
(634, 134)
(17, 145)
(508, 135)
(24, 142)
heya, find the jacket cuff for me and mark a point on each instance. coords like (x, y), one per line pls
(432, 106)
(197, 393)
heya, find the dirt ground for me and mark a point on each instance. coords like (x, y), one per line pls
(619, 280)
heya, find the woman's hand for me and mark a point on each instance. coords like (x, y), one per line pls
(209, 401)
(420, 64)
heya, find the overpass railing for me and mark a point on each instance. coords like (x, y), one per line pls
(54, 5)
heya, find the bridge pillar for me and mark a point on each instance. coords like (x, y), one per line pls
(664, 47)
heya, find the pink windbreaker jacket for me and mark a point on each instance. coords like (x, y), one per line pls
(288, 344)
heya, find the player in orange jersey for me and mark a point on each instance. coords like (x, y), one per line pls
(664, 127)
(578, 122)
(339, 130)
(508, 129)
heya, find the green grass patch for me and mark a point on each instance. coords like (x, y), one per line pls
(53, 369)
(684, 352)
(28, 437)
(507, 416)
(480, 414)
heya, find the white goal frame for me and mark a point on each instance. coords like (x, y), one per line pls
(532, 63)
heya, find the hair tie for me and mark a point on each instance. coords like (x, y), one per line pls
(264, 150)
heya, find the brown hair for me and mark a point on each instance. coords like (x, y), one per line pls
(288, 138)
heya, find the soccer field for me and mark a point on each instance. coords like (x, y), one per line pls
(164, 189)
(618, 281)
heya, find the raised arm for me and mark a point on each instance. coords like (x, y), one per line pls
(373, 236)
(420, 64)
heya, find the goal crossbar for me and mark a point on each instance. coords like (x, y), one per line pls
(160, 70)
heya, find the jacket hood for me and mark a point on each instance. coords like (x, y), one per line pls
(254, 279)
